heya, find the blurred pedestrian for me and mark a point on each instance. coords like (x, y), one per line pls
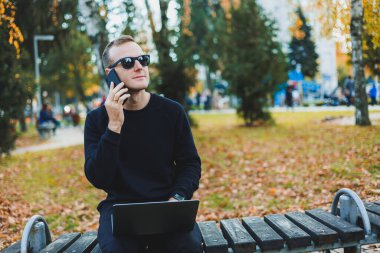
(289, 96)
(349, 89)
(207, 96)
(373, 94)
(198, 100)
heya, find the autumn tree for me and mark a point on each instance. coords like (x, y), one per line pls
(359, 22)
(43, 17)
(302, 47)
(130, 12)
(16, 87)
(253, 62)
(371, 37)
(175, 63)
(201, 23)
(95, 16)
(69, 69)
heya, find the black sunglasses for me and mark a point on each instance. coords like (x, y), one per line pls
(129, 62)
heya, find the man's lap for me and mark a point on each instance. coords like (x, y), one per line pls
(187, 242)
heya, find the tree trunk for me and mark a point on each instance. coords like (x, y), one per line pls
(356, 29)
(22, 122)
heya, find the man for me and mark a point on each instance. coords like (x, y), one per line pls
(349, 89)
(46, 117)
(373, 94)
(139, 148)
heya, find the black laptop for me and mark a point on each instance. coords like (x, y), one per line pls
(151, 218)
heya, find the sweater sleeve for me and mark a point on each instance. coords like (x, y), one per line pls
(101, 154)
(187, 160)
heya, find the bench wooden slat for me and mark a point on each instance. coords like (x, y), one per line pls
(213, 239)
(238, 238)
(14, 248)
(96, 249)
(371, 207)
(263, 234)
(320, 233)
(84, 244)
(347, 232)
(293, 235)
(61, 243)
(374, 219)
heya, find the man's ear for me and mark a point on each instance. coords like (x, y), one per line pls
(107, 70)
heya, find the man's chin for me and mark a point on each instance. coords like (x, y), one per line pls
(137, 88)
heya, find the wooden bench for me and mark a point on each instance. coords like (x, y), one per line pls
(350, 226)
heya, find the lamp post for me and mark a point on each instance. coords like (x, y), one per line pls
(36, 65)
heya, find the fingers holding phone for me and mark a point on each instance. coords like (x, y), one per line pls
(121, 94)
(114, 106)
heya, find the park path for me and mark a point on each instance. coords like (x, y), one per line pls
(64, 137)
(350, 121)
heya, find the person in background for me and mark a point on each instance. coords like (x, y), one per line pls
(46, 117)
(349, 89)
(289, 96)
(373, 94)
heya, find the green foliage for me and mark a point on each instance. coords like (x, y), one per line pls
(203, 33)
(64, 59)
(70, 68)
(176, 67)
(66, 65)
(16, 87)
(129, 26)
(253, 62)
(371, 54)
(302, 48)
(45, 17)
(206, 28)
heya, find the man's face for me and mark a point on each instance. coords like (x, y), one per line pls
(136, 78)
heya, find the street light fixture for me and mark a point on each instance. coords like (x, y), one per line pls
(36, 38)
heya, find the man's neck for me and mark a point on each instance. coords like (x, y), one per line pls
(137, 101)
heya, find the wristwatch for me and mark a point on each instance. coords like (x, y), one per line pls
(178, 197)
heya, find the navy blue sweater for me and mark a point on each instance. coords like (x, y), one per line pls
(152, 158)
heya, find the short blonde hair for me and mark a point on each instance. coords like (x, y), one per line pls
(116, 42)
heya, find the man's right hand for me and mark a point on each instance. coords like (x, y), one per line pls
(114, 106)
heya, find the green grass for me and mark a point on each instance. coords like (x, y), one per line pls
(375, 169)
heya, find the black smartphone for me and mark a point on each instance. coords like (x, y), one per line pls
(112, 77)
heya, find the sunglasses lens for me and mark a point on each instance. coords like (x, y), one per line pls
(144, 60)
(128, 62)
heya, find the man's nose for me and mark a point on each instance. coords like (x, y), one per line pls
(137, 66)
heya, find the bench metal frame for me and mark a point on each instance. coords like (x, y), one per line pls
(36, 234)
(348, 210)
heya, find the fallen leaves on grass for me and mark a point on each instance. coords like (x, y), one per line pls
(297, 164)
